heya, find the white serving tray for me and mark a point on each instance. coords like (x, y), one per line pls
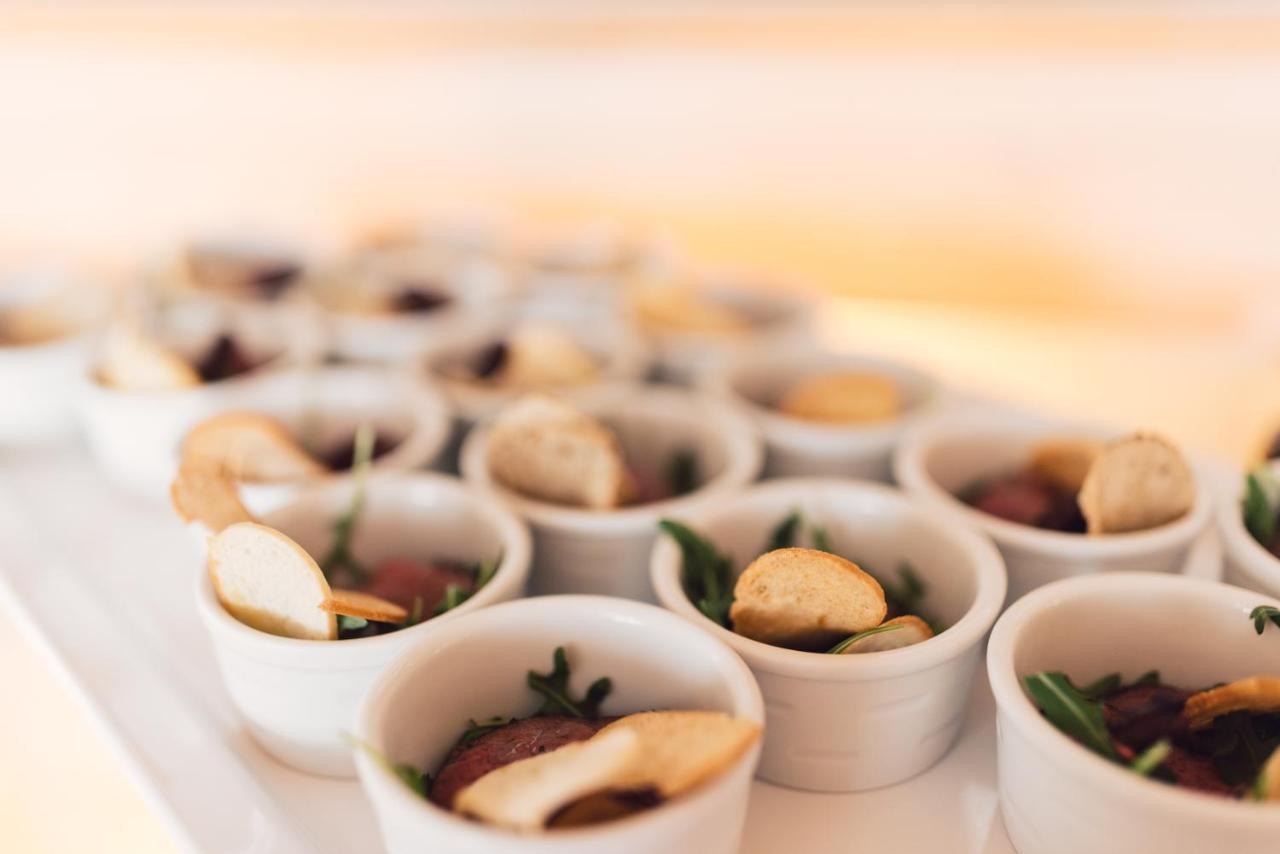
(103, 582)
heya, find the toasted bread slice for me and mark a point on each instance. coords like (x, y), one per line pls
(541, 355)
(907, 630)
(353, 603)
(1256, 694)
(524, 794)
(681, 749)
(1064, 463)
(1136, 483)
(268, 582)
(548, 450)
(133, 362)
(204, 492)
(845, 397)
(251, 447)
(805, 598)
(681, 308)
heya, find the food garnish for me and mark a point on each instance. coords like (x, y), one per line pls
(706, 574)
(1216, 741)
(1261, 508)
(1261, 614)
(843, 397)
(891, 634)
(554, 688)
(340, 557)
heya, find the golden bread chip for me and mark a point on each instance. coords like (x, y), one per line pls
(681, 749)
(268, 582)
(543, 355)
(204, 492)
(133, 362)
(525, 794)
(41, 320)
(1064, 463)
(1270, 790)
(1136, 483)
(353, 603)
(251, 447)
(600, 807)
(805, 598)
(843, 397)
(680, 308)
(546, 449)
(908, 629)
(1259, 694)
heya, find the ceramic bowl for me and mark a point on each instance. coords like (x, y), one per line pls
(134, 435)
(1058, 797)
(607, 552)
(1247, 563)
(844, 723)
(795, 447)
(325, 405)
(655, 660)
(298, 697)
(941, 455)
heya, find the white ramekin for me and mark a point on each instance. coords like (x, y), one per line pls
(777, 321)
(655, 660)
(299, 697)
(844, 723)
(607, 552)
(134, 435)
(942, 454)
(1058, 797)
(756, 380)
(327, 404)
(1246, 562)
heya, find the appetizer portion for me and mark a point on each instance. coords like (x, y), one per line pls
(843, 397)
(133, 361)
(406, 280)
(1081, 486)
(257, 448)
(532, 356)
(807, 599)
(1261, 508)
(568, 766)
(269, 582)
(545, 449)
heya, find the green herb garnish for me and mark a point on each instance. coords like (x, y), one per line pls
(1260, 510)
(418, 781)
(340, 556)
(847, 642)
(554, 688)
(477, 728)
(454, 595)
(1102, 687)
(784, 534)
(821, 542)
(351, 624)
(682, 472)
(1149, 760)
(1151, 677)
(1261, 614)
(1071, 712)
(706, 574)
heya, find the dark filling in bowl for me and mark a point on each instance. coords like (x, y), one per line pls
(224, 359)
(1023, 498)
(418, 587)
(341, 457)
(419, 298)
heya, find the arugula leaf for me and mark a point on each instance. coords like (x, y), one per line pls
(1241, 743)
(706, 574)
(1100, 687)
(1258, 789)
(419, 781)
(682, 473)
(454, 595)
(351, 624)
(820, 540)
(340, 556)
(1149, 760)
(1151, 677)
(554, 688)
(1075, 715)
(1261, 614)
(784, 535)
(477, 728)
(1259, 506)
(847, 642)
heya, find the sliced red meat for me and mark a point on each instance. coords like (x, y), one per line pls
(402, 580)
(520, 739)
(1143, 714)
(1016, 498)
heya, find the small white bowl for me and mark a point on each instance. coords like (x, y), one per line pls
(941, 455)
(655, 660)
(756, 380)
(324, 405)
(299, 698)
(1247, 563)
(134, 435)
(1060, 798)
(607, 552)
(777, 321)
(844, 723)
(477, 286)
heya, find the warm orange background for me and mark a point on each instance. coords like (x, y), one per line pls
(1075, 207)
